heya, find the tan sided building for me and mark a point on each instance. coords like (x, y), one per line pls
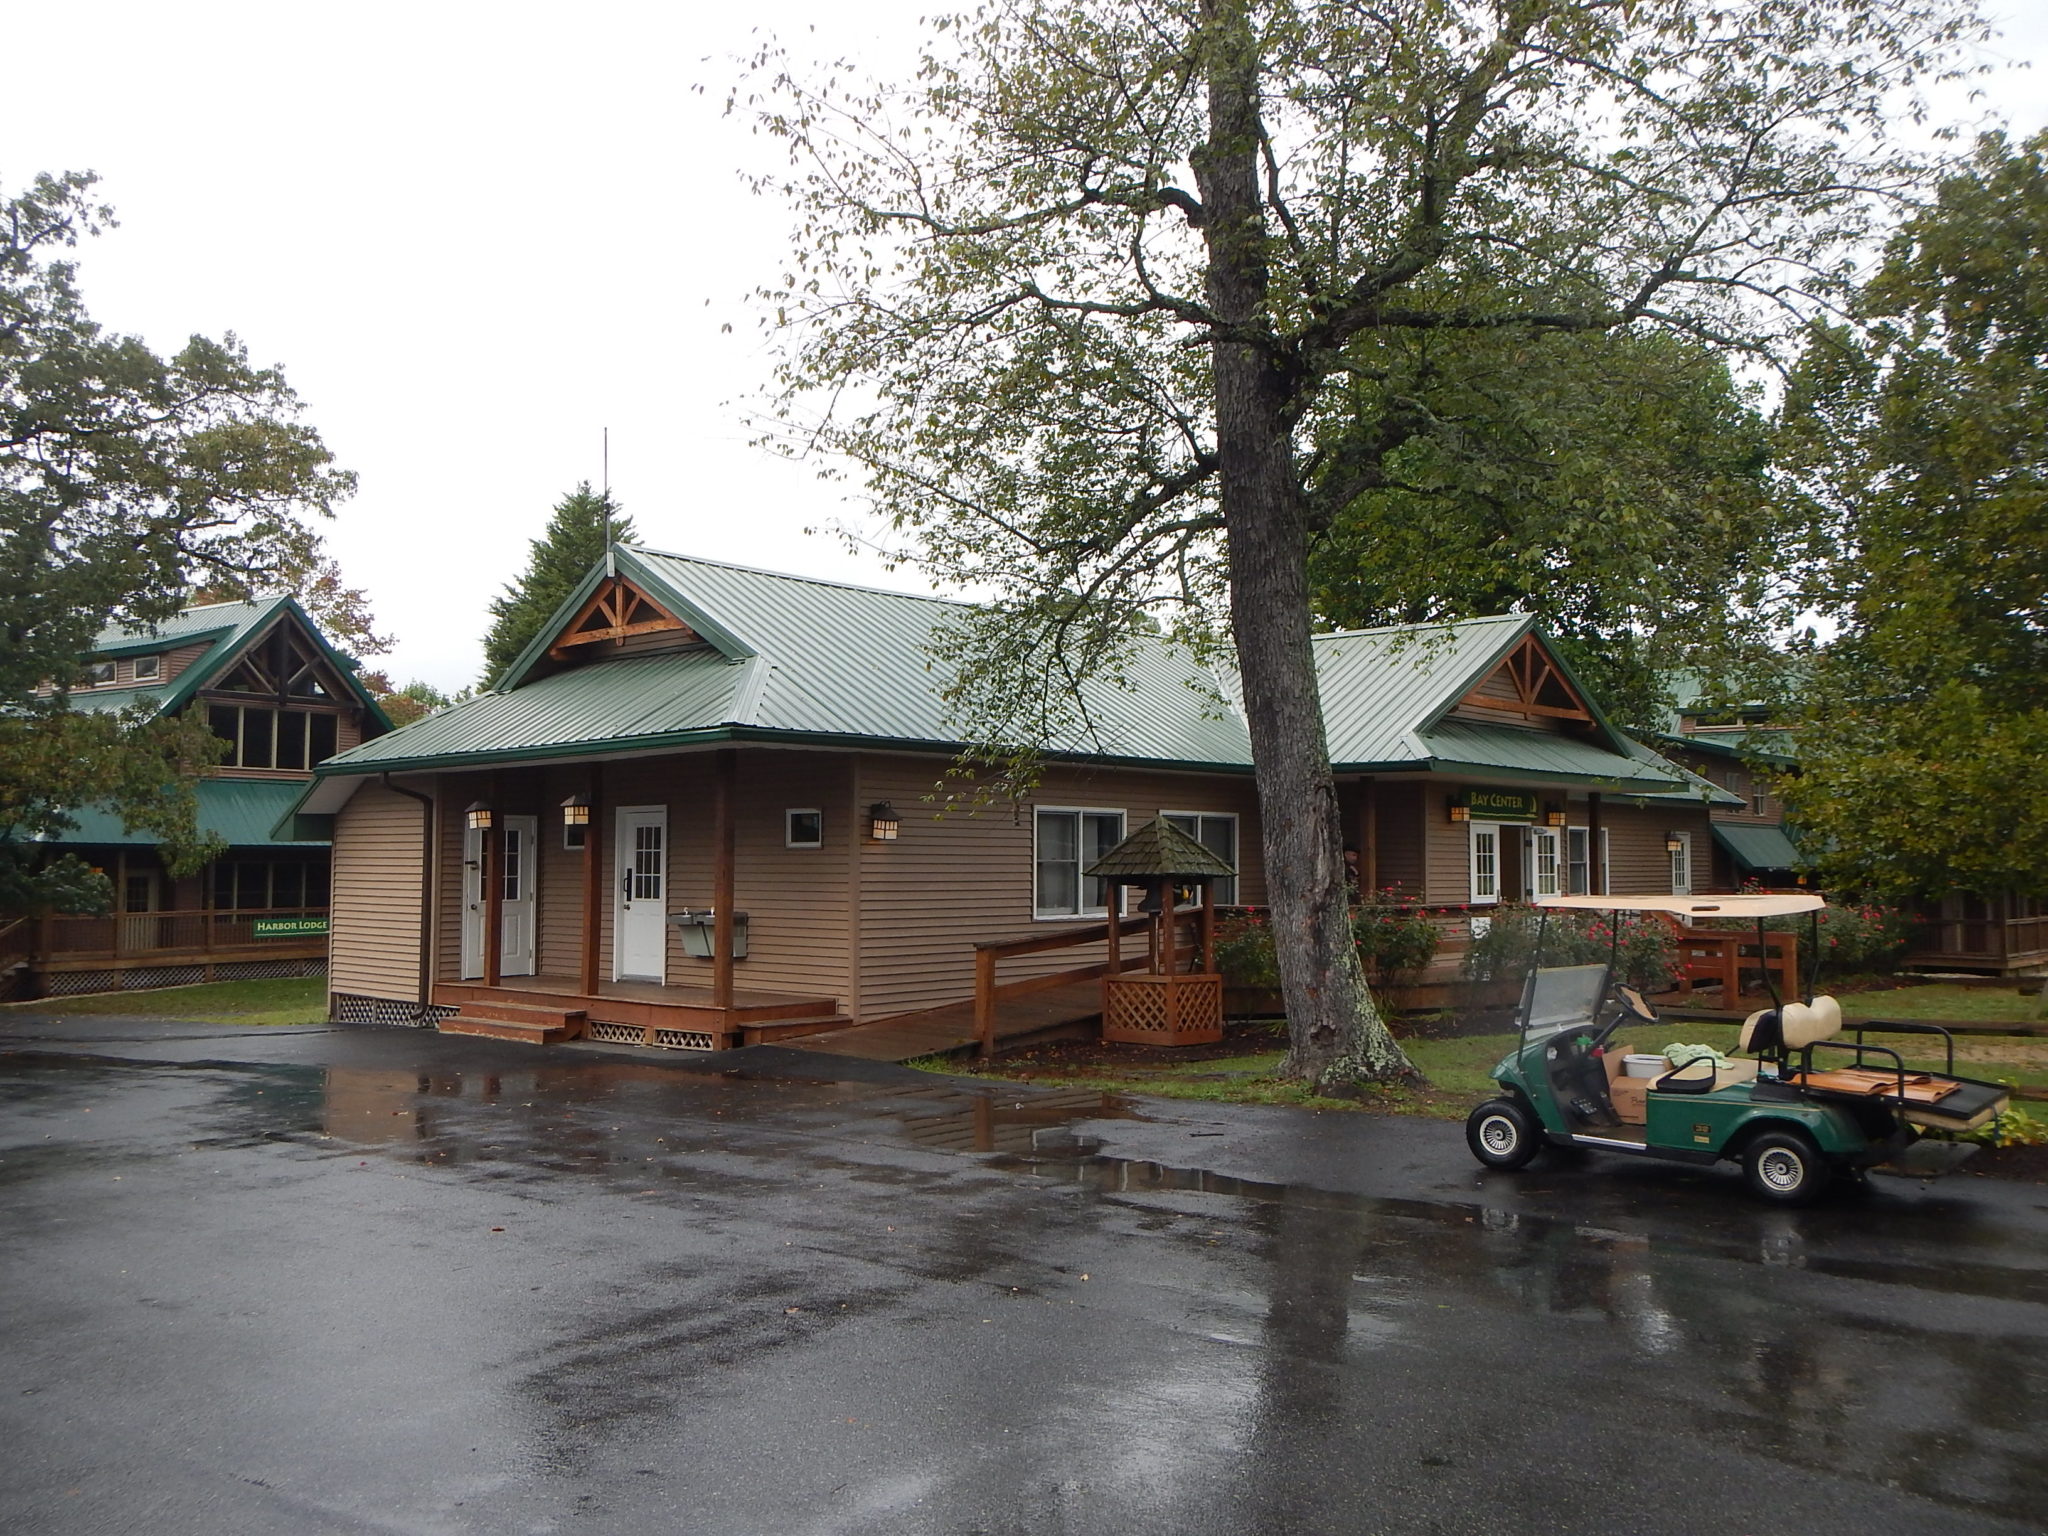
(693, 751)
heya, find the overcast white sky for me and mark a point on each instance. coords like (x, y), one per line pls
(475, 236)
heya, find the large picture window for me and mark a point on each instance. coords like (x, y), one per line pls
(273, 738)
(1218, 834)
(1065, 842)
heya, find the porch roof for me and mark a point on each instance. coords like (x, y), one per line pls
(241, 812)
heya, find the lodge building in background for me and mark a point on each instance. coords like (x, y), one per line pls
(283, 701)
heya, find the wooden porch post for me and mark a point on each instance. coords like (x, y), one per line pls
(1596, 852)
(727, 776)
(1369, 846)
(1115, 951)
(587, 980)
(1208, 927)
(494, 888)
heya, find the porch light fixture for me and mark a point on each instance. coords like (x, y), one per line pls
(576, 812)
(1461, 813)
(1673, 841)
(882, 822)
(1553, 818)
(479, 816)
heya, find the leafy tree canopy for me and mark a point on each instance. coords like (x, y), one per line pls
(1917, 431)
(584, 524)
(1614, 484)
(126, 478)
(1084, 295)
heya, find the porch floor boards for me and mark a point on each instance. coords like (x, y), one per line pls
(941, 1031)
(646, 1002)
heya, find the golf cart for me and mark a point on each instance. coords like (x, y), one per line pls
(1804, 1107)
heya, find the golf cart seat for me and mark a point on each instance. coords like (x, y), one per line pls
(1773, 1031)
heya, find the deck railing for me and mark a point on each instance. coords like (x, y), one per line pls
(1989, 938)
(989, 993)
(126, 935)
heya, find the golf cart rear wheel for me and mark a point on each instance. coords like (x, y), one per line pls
(1785, 1168)
(1502, 1134)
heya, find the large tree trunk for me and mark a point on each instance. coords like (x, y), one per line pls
(1336, 1036)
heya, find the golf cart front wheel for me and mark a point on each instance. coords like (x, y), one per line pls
(1785, 1168)
(1502, 1134)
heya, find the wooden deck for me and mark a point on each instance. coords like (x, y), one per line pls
(944, 1031)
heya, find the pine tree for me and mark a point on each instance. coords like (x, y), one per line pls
(585, 522)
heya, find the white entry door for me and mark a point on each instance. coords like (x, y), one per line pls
(516, 871)
(640, 902)
(472, 903)
(516, 904)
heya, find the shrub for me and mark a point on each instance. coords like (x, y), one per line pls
(1394, 943)
(1645, 953)
(1854, 936)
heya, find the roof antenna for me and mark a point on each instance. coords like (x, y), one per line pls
(604, 506)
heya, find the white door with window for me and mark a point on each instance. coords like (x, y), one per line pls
(640, 900)
(1485, 863)
(1680, 846)
(1543, 867)
(516, 871)
(472, 903)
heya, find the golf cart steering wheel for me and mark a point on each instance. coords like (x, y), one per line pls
(1632, 1000)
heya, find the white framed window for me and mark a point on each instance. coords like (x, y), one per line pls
(148, 668)
(1681, 863)
(575, 837)
(1544, 861)
(1216, 832)
(1759, 797)
(1485, 854)
(803, 828)
(1578, 861)
(1065, 841)
(99, 672)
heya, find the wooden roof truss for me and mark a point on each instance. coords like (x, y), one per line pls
(1541, 690)
(616, 611)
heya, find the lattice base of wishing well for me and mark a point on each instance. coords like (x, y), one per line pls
(1143, 1009)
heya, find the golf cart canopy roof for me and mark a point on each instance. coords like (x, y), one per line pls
(1692, 906)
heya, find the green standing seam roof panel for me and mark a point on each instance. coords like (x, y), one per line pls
(1759, 847)
(241, 811)
(825, 660)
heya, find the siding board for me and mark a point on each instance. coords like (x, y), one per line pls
(374, 937)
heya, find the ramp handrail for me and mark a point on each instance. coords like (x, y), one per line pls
(988, 993)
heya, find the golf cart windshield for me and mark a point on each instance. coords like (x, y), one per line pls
(1563, 997)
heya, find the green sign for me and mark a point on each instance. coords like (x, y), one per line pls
(1498, 804)
(287, 927)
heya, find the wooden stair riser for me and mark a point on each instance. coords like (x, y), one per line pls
(789, 1029)
(522, 1013)
(502, 1029)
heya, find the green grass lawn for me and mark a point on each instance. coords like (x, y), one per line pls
(1458, 1067)
(294, 1000)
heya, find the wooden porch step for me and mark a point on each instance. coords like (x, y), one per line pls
(787, 1029)
(515, 1021)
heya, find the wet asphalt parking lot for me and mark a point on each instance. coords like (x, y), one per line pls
(387, 1281)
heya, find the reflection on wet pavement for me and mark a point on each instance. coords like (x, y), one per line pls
(1207, 1340)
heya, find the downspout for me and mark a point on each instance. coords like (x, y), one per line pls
(426, 981)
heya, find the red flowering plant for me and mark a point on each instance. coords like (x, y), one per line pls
(1395, 941)
(1644, 949)
(1854, 935)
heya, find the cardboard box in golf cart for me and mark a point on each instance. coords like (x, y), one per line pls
(1628, 1093)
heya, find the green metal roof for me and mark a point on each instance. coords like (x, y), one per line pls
(1759, 847)
(240, 811)
(230, 627)
(800, 659)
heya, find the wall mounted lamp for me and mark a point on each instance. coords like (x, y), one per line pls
(576, 812)
(882, 822)
(479, 816)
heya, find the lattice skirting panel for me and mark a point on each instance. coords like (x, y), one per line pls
(388, 1013)
(1163, 1010)
(146, 978)
(634, 1034)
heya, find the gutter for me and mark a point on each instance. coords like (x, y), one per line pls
(426, 980)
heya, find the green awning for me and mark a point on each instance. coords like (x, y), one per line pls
(240, 811)
(1759, 847)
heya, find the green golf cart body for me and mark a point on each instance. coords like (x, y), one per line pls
(1792, 1125)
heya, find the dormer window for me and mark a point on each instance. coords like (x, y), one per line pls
(148, 668)
(99, 673)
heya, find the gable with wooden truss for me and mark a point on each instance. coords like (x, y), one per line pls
(285, 664)
(617, 612)
(1528, 687)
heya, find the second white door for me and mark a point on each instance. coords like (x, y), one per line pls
(640, 902)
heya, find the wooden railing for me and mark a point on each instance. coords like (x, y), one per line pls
(988, 993)
(1987, 937)
(1718, 956)
(122, 935)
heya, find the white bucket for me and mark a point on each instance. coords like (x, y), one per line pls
(1644, 1066)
